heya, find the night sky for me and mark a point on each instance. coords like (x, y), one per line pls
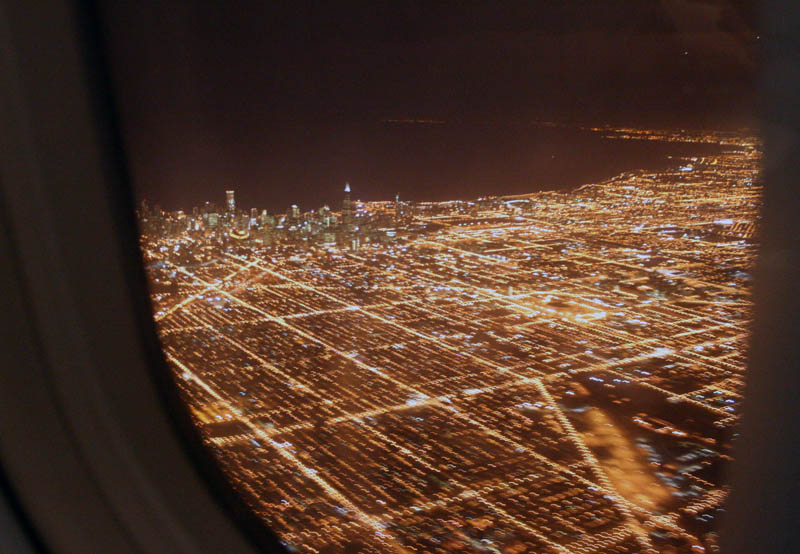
(283, 104)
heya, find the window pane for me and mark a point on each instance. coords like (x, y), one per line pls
(468, 278)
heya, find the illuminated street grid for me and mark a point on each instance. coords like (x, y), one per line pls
(558, 372)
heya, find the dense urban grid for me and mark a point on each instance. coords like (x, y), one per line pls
(557, 372)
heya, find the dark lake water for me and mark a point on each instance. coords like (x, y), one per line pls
(443, 161)
(446, 161)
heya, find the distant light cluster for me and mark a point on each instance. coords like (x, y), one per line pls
(558, 372)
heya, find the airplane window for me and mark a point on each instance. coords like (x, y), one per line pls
(469, 277)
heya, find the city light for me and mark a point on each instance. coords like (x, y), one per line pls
(550, 372)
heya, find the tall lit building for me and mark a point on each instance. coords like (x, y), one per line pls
(229, 201)
(325, 214)
(347, 210)
(397, 213)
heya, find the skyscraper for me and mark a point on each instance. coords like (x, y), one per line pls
(229, 201)
(347, 210)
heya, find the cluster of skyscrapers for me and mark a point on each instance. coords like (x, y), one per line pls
(350, 227)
